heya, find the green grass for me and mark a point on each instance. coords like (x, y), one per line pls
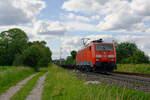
(9, 76)
(135, 68)
(26, 89)
(63, 85)
(5, 68)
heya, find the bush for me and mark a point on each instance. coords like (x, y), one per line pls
(140, 57)
(31, 56)
(45, 56)
(37, 56)
(71, 60)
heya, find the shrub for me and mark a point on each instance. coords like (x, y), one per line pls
(31, 56)
(37, 56)
(140, 57)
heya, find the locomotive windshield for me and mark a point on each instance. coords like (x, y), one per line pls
(104, 47)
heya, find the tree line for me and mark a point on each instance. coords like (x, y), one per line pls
(17, 50)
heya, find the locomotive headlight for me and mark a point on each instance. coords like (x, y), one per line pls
(111, 56)
(98, 56)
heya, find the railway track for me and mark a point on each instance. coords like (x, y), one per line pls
(135, 81)
(135, 74)
(131, 78)
(122, 80)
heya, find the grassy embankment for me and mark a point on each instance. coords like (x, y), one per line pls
(63, 85)
(26, 89)
(135, 68)
(10, 75)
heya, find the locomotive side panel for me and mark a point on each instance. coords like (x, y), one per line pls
(84, 57)
(88, 56)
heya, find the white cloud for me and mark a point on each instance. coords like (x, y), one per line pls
(71, 43)
(14, 12)
(80, 18)
(84, 6)
(74, 17)
(118, 15)
(125, 17)
(74, 41)
(141, 7)
(41, 29)
(51, 28)
(76, 5)
(95, 17)
(79, 26)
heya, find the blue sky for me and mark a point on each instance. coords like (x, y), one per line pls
(52, 10)
(63, 23)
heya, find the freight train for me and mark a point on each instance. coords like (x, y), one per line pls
(97, 56)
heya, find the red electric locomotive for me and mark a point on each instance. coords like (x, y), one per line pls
(98, 56)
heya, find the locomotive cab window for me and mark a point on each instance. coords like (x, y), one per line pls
(104, 47)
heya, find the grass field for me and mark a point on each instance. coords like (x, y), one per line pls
(135, 68)
(9, 76)
(63, 85)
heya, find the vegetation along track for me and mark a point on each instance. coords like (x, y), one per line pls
(135, 81)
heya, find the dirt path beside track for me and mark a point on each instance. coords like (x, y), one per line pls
(11, 91)
(36, 93)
